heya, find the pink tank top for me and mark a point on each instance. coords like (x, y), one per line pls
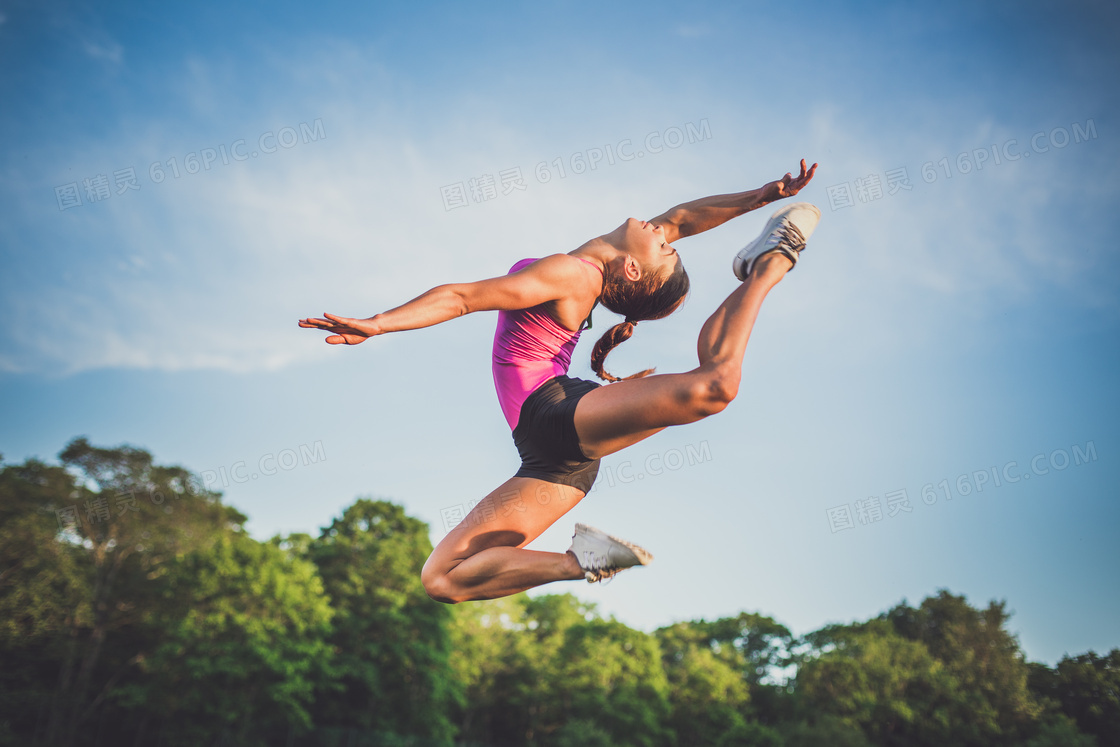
(530, 348)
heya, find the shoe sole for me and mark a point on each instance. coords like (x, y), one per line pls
(775, 219)
(644, 556)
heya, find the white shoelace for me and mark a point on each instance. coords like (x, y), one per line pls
(593, 563)
(789, 236)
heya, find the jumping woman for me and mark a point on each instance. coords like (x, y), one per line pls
(563, 426)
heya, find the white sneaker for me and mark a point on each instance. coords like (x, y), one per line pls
(600, 555)
(786, 232)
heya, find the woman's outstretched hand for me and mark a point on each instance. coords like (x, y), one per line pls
(788, 185)
(346, 331)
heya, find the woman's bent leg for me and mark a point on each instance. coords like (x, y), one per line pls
(484, 556)
(615, 416)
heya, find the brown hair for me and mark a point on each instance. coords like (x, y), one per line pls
(647, 298)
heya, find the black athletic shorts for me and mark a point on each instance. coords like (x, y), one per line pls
(546, 435)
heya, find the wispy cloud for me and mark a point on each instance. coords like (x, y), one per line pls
(110, 52)
(212, 269)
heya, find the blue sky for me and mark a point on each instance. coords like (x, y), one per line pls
(956, 311)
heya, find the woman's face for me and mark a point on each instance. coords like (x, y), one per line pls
(646, 242)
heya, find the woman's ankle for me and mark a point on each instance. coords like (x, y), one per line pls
(771, 267)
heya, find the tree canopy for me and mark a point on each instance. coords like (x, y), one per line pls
(136, 609)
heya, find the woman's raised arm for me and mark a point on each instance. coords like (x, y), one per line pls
(691, 218)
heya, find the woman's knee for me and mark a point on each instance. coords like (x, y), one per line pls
(438, 587)
(713, 390)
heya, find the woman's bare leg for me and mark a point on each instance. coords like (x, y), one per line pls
(621, 414)
(484, 556)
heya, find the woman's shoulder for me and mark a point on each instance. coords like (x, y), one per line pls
(558, 263)
(569, 262)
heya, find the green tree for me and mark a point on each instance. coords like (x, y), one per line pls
(1087, 689)
(496, 663)
(708, 691)
(753, 646)
(391, 642)
(109, 521)
(42, 595)
(753, 734)
(611, 673)
(1060, 731)
(940, 673)
(825, 730)
(241, 658)
(866, 675)
(549, 670)
(984, 659)
(581, 733)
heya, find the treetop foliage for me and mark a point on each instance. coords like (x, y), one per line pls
(135, 609)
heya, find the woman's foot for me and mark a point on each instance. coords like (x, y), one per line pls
(600, 555)
(786, 233)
